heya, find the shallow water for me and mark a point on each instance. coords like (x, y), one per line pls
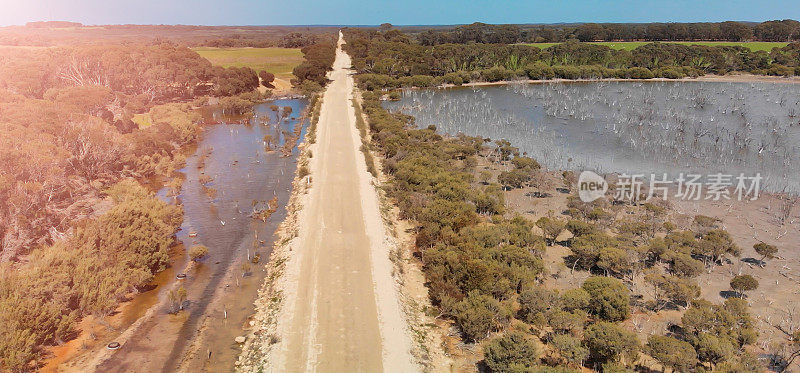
(221, 288)
(631, 127)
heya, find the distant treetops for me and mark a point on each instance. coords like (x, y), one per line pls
(392, 59)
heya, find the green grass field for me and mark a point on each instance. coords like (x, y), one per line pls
(279, 61)
(631, 45)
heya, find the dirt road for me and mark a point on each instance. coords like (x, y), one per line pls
(343, 315)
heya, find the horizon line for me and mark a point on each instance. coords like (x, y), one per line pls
(377, 25)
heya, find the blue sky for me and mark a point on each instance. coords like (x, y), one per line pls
(400, 12)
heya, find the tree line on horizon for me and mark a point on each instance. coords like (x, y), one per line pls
(390, 59)
(787, 30)
(63, 33)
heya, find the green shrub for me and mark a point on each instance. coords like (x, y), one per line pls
(478, 314)
(669, 73)
(638, 73)
(420, 81)
(673, 353)
(684, 265)
(454, 78)
(565, 322)
(743, 283)
(496, 74)
(370, 161)
(198, 252)
(310, 88)
(608, 342)
(614, 367)
(598, 213)
(535, 302)
(715, 245)
(539, 71)
(525, 163)
(575, 299)
(514, 179)
(580, 228)
(235, 106)
(713, 349)
(570, 348)
(765, 250)
(88, 273)
(595, 72)
(551, 227)
(513, 352)
(610, 298)
(729, 324)
(373, 82)
(780, 70)
(567, 72)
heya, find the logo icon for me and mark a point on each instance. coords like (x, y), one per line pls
(591, 186)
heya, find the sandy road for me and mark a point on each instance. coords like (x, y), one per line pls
(344, 315)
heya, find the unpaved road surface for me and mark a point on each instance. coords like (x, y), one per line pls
(344, 315)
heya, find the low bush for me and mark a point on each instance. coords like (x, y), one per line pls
(197, 252)
(477, 315)
(610, 298)
(420, 81)
(86, 274)
(638, 73)
(235, 106)
(513, 179)
(457, 78)
(567, 72)
(779, 70)
(496, 74)
(669, 73)
(513, 352)
(539, 71)
(611, 343)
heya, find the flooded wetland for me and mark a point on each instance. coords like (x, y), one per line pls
(631, 127)
(234, 191)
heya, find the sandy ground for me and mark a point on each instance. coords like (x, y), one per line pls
(776, 302)
(341, 311)
(282, 87)
(775, 305)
